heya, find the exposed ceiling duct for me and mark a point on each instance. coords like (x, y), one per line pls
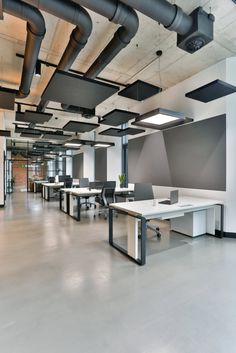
(35, 33)
(118, 13)
(194, 30)
(75, 14)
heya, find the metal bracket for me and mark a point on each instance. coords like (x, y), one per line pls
(1, 10)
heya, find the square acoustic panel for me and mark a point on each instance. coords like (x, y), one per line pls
(111, 132)
(7, 98)
(53, 136)
(213, 90)
(139, 91)
(78, 126)
(5, 133)
(131, 131)
(117, 117)
(71, 89)
(30, 116)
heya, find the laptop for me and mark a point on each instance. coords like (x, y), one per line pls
(174, 198)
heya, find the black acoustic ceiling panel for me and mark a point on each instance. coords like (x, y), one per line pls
(117, 117)
(31, 133)
(7, 98)
(78, 126)
(33, 117)
(36, 117)
(58, 135)
(71, 89)
(5, 133)
(213, 90)
(111, 132)
(131, 131)
(139, 91)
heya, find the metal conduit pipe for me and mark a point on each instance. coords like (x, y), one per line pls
(35, 33)
(171, 16)
(118, 13)
(75, 14)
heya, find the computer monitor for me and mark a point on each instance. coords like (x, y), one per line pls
(174, 198)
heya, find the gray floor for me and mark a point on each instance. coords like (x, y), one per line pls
(63, 289)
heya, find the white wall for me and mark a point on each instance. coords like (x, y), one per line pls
(89, 162)
(174, 99)
(2, 150)
(114, 161)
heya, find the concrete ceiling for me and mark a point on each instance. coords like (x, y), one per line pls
(137, 61)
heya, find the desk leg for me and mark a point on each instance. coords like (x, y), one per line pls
(78, 208)
(71, 205)
(60, 200)
(132, 252)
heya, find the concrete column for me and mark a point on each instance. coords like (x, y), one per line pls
(2, 151)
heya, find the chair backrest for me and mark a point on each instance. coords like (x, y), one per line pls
(83, 182)
(68, 183)
(143, 191)
(109, 184)
(62, 178)
(108, 195)
(51, 179)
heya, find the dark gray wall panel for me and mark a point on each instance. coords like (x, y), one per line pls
(147, 160)
(78, 166)
(101, 164)
(197, 154)
(189, 156)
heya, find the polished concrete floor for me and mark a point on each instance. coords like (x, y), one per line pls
(63, 289)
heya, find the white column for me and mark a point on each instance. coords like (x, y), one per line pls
(230, 211)
(2, 151)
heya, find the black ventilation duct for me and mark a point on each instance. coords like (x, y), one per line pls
(75, 14)
(35, 33)
(194, 30)
(118, 13)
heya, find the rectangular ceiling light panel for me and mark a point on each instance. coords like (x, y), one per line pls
(53, 136)
(117, 117)
(78, 126)
(140, 90)
(160, 119)
(213, 90)
(71, 89)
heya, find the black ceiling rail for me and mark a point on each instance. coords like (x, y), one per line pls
(47, 63)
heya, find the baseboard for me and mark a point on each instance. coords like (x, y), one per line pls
(227, 234)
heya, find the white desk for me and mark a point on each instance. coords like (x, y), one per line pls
(48, 187)
(37, 184)
(191, 216)
(72, 198)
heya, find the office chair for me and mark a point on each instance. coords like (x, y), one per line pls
(107, 196)
(51, 179)
(84, 183)
(144, 191)
(68, 183)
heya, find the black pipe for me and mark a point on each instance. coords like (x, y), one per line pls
(171, 16)
(35, 33)
(75, 14)
(118, 13)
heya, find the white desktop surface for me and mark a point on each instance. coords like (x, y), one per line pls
(152, 209)
(87, 191)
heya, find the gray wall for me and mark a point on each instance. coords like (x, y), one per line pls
(189, 156)
(101, 164)
(78, 166)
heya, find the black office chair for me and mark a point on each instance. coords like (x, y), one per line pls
(68, 183)
(107, 196)
(144, 191)
(84, 183)
(51, 179)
